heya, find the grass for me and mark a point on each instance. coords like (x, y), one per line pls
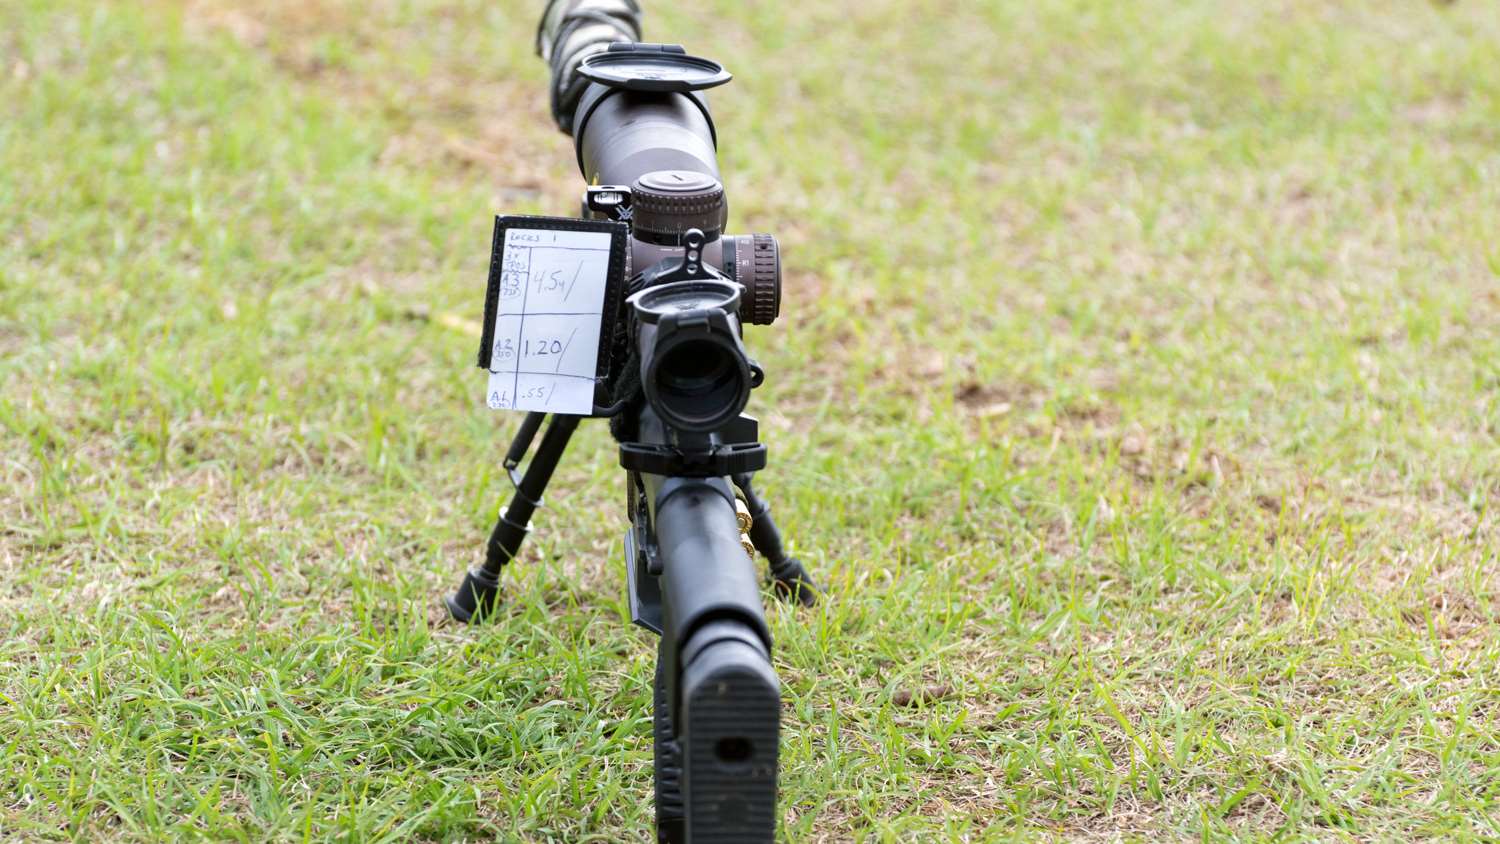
(1136, 393)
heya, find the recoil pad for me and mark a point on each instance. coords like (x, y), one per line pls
(730, 731)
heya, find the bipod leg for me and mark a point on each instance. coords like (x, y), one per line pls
(787, 572)
(477, 595)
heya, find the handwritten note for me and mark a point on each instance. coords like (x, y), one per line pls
(546, 333)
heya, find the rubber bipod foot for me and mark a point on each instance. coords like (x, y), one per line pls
(475, 598)
(793, 583)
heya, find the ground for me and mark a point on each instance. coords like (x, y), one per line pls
(1136, 396)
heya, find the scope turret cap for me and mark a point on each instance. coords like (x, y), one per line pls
(666, 203)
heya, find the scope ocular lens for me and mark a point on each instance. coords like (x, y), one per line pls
(699, 382)
(693, 369)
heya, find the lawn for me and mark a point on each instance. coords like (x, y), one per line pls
(1136, 395)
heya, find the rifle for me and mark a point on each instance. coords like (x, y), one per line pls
(674, 379)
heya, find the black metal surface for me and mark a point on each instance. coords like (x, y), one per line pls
(730, 459)
(706, 573)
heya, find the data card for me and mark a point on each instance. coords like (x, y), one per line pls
(552, 283)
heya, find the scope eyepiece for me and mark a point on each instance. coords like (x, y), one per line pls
(694, 370)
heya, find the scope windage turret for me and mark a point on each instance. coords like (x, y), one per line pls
(694, 370)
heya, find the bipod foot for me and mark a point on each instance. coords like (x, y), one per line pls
(788, 575)
(480, 591)
(793, 583)
(475, 598)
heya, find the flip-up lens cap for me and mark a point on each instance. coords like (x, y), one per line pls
(652, 67)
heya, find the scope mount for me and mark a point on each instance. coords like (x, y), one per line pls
(733, 451)
(716, 461)
(689, 266)
(658, 68)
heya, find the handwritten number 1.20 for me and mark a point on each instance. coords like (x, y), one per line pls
(541, 348)
(505, 348)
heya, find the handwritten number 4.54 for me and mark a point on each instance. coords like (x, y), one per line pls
(553, 281)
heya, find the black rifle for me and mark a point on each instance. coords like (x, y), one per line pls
(678, 381)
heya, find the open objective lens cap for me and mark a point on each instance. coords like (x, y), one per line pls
(652, 67)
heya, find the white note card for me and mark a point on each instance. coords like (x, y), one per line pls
(546, 341)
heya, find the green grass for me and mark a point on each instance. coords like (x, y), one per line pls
(1136, 393)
